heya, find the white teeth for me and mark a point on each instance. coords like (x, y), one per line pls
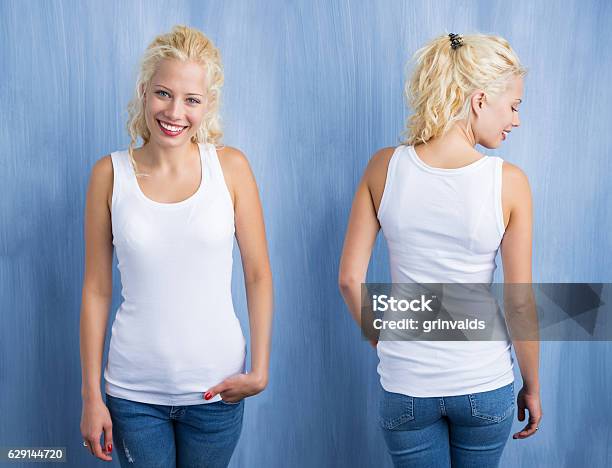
(172, 128)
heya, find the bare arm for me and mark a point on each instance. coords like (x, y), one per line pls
(521, 315)
(363, 227)
(251, 238)
(97, 282)
(96, 299)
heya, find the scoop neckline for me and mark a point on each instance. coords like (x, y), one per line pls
(441, 170)
(178, 204)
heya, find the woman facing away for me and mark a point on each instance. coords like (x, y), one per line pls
(175, 376)
(445, 209)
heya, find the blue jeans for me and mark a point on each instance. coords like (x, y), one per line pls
(459, 431)
(147, 435)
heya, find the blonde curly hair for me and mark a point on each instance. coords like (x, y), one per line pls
(185, 44)
(444, 77)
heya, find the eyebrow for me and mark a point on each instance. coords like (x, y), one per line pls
(519, 100)
(188, 94)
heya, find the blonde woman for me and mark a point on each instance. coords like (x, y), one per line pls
(175, 376)
(445, 209)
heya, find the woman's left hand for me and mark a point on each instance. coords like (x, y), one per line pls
(239, 386)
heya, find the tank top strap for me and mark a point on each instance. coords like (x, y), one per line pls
(121, 174)
(215, 172)
(212, 162)
(497, 177)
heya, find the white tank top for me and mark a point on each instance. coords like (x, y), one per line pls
(175, 334)
(442, 226)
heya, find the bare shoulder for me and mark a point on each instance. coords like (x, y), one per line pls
(375, 174)
(236, 171)
(514, 178)
(379, 162)
(101, 179)
(516, 192)
(233, 161)
(103, 168)
(513, 172)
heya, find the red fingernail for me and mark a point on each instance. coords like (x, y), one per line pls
(207, 396)
(110, 447)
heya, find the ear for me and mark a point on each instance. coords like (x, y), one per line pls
(478, 100)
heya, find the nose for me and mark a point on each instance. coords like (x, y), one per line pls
(516, 121)
(174, 110)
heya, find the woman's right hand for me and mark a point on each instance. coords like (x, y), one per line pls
(95, 419)
(530, 400)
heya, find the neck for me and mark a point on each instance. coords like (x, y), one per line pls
(167, 157)
(458, 139)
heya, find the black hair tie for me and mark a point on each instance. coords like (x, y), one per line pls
(455, 40)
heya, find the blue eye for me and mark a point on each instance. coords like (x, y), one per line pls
(163, 93)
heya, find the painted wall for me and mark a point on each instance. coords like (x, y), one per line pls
(312, 89)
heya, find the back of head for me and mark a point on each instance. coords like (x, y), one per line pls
(447, 70)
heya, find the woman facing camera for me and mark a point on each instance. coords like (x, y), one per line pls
(445, 209)
(175, 377)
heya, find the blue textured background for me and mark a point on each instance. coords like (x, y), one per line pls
(312, 90)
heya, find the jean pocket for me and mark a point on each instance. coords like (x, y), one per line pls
(395, 409)
(230, 403)
(494, 405)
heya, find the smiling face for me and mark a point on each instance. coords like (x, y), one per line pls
(497, 116)
(175, 104)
